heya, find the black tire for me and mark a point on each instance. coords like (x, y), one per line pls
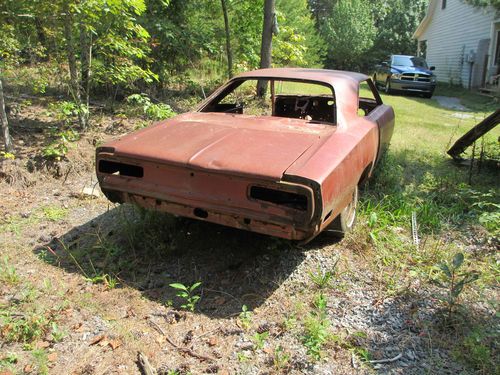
(428, 95)
(346, 220)
(387, 87)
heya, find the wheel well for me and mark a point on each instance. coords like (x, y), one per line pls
(365, 175)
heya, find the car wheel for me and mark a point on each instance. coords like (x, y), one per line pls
(387, 87)
(344, 223)
(428, 95)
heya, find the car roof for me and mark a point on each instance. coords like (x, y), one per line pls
(345, 84)
(306, 74)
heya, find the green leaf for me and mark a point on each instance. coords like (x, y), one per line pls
(471, 277)
(437, 282)
(444, 267)
(372, 220)
(457, 289)
(194, 286)
(178, 286)
(458, 260)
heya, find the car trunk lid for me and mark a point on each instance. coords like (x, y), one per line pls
(243, 145)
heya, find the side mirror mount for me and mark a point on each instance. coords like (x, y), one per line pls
(432, 68)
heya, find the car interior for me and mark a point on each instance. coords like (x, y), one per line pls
(291, 99)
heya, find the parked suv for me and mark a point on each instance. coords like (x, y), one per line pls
(405, 73)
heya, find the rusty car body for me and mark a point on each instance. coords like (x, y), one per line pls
(290, 172)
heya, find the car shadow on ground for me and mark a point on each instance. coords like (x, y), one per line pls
(149, 250)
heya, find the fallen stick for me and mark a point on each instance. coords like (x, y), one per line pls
(157, 327)
(388, 360)
(146, 366)
(206, 334)
(189, 351)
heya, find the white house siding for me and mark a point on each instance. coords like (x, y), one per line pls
(451, 34)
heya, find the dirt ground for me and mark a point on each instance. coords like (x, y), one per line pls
(99, 275)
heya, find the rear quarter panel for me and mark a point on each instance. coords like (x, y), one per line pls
(383, 116)
(339, 164)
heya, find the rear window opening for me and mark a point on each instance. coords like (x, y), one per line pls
(120, 169)
(279, 197)
(307, 100)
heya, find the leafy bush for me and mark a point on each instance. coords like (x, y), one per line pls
(64, 110)
(453, 282)
(187, 293)
(152, 111)
(58, 149)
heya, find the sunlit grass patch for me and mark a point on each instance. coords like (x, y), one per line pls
(54, 213)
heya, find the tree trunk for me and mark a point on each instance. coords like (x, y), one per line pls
(73, 69)
(5, 124)
(266, 46)
(228, 40)
(42, 39)
(85, 62)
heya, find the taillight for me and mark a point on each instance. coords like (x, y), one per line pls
(288, 199)
(120, 169)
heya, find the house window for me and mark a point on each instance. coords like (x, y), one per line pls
(443, 4)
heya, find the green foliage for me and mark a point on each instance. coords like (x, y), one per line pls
(25, 328)
(290, 322)
(109, 281)
(8, 273)
(359, 33)
(259, 339)
(317, 328)
(9, 44)
(152, 111)
(41, 360)
(54, 213)
(7, 155)
(478, 350)
(297, 43)
(245, 318)
(187, 294)
(58, 149)
(349, 33)
(64, 110)
(118, 40)
(322, 279)
(396, 21)
(281, 359)
(453, 282)
(485, 3)
(242, 357)
(485, 205)
(320, 302)
(56, 333)
(40, 84)
(316, 335)
(9, 358)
